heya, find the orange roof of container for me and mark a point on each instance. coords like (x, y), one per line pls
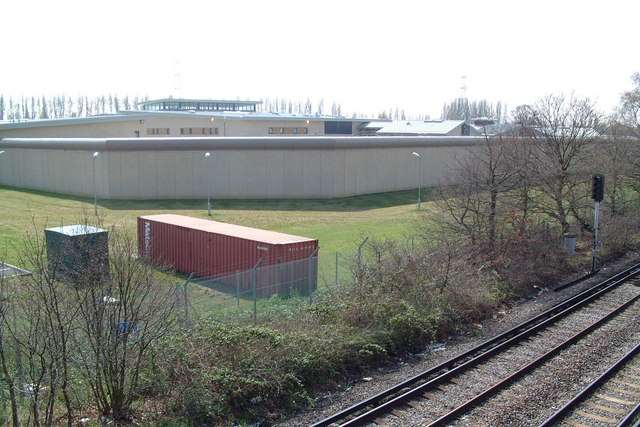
(239, 231)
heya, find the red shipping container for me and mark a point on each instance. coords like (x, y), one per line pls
(211, 248)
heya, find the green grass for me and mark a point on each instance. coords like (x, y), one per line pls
(338, 224)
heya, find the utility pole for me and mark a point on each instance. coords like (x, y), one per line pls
(597, 194)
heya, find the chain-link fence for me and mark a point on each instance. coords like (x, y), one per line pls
(241, 291)
(268, 289)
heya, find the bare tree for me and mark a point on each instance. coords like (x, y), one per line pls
(8, 372)
(561, 130)
(470, 197)
(615, 157)
(521, 200)
(120, 318)
(630, 106)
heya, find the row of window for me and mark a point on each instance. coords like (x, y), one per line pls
(158, 131)
(288, 131)
(198, 131)
(214, 131)
(198, 106)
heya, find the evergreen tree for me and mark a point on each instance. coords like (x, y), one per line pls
(1, 107)
(25, 109)
(44, 113)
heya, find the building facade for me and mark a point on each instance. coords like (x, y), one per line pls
(185, 118)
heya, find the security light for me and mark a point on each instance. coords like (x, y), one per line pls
(96, 154)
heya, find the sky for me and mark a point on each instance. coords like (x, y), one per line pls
(366, 55)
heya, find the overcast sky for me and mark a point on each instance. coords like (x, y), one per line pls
(367, 55)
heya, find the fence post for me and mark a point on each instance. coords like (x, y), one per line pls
(309, 284)
(238, 289)
(186, 301)
(311, 274)
(255, 297)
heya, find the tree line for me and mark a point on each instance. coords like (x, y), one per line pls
(539, 173)
(63, 106)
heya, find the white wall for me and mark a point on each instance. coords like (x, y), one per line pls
(241, 173)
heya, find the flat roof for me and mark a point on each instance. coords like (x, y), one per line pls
(239, 231)
(415, 127)
(76, 230)
(236, 143)
(129, 115)
(8, 270)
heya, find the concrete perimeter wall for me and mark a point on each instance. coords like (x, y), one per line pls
(174, 168)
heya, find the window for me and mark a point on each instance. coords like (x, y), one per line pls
(288, 131)
(338, 128)
(158, 131)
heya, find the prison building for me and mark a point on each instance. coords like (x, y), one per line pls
(171, 117)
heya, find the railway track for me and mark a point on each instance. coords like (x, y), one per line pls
(613, 399)
(445, 392)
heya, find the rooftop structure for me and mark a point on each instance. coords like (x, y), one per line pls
(165, 123)
(181, 104)
(421, 127)
(76, 230)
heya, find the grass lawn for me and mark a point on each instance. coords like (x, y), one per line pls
(339, 224)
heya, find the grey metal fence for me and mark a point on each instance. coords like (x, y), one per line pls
(293, 278)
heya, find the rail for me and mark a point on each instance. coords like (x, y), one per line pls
(384, 401)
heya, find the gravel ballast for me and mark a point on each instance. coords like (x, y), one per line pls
(374, 382)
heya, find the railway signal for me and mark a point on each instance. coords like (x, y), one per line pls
(597, 194)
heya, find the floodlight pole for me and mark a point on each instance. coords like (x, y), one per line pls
(419, 158)
(207, 174)
(95, 190)
(1, 152)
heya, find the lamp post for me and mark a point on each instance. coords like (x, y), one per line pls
(1, 152)
(206, 157)
(419, 159)
(95, 190)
